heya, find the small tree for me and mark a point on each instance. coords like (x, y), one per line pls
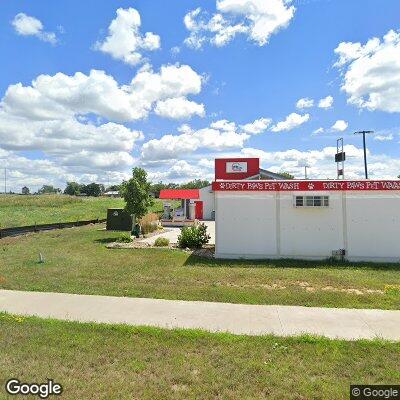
(93, 189)
(73, 188)
(195, 184)
(25, 190)
(287, 175)
(48, 189)
(136, 193)
(113, 188)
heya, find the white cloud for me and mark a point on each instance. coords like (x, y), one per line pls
(322, 165)
(61, 96)
(220, 135)
(175, 50)
(326, 102)
(305, 102)
(34, 173)
(384, 138)
(223, 125)
(98, 160)
(258, 19)
(70, 119)
(319, 130)
(340, 125)
(64, 136)
(292, 121)
(256, 127)
(124, 41)
(371, 72)
(179, 108)
(26, 25)
(179, 171)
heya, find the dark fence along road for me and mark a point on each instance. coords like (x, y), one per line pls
(20, 230)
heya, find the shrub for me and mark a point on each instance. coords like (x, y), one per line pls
(149, 223)
(150, 217)
(149, 227)
(193, 236)
(126, 238)
(161, 242)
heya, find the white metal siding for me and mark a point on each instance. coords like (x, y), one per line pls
(266, 224)
(207, 197)
(311, 231)
(373, 225)
(246, 224)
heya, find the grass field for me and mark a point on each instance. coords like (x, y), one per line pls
(77, 261)
(110, 362)
(29, 210)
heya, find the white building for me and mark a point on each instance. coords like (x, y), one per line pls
(308, 219)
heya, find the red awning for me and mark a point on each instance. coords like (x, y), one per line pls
(172, 194)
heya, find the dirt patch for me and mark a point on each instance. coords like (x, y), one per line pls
(303, 285)
(306, 286)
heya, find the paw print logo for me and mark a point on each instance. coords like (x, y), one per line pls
(310, 186)
(222, 185)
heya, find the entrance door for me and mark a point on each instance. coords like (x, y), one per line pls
(199, 210)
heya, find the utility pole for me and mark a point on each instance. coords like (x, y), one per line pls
(5, 180)
(305, 171)
(365, 150)
(340, 158)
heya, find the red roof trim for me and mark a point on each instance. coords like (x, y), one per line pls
(174, 194)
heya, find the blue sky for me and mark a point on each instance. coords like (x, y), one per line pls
(72, 127)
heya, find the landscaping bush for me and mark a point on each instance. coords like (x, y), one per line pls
(149, 227)
(161, 242)
(150, 217)
(126, 238)
(193, 236)
(149, 223)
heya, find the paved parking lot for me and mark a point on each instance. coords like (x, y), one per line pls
(173, 233)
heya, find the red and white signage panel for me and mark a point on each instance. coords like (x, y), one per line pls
(306, 186)
(236, 168)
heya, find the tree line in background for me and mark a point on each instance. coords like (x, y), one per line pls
(97, 189)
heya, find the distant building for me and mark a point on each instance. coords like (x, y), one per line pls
(112, 193)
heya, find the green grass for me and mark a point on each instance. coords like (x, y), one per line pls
(77, 261)
(120, 362)
(29, 210)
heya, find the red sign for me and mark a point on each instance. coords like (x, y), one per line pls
(306, 186)
(236, 168)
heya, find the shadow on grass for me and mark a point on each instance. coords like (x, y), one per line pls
(193, 261)
(106, 240)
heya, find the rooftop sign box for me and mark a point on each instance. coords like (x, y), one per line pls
(306, 186)
(236, 168)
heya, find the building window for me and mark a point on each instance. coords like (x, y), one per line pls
(311, 201)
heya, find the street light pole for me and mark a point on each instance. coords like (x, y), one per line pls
(365, 150)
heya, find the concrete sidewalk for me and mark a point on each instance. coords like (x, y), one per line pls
(338, 323)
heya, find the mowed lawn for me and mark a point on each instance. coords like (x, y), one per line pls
(77, 261)
(45, 209)
(121, 362)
